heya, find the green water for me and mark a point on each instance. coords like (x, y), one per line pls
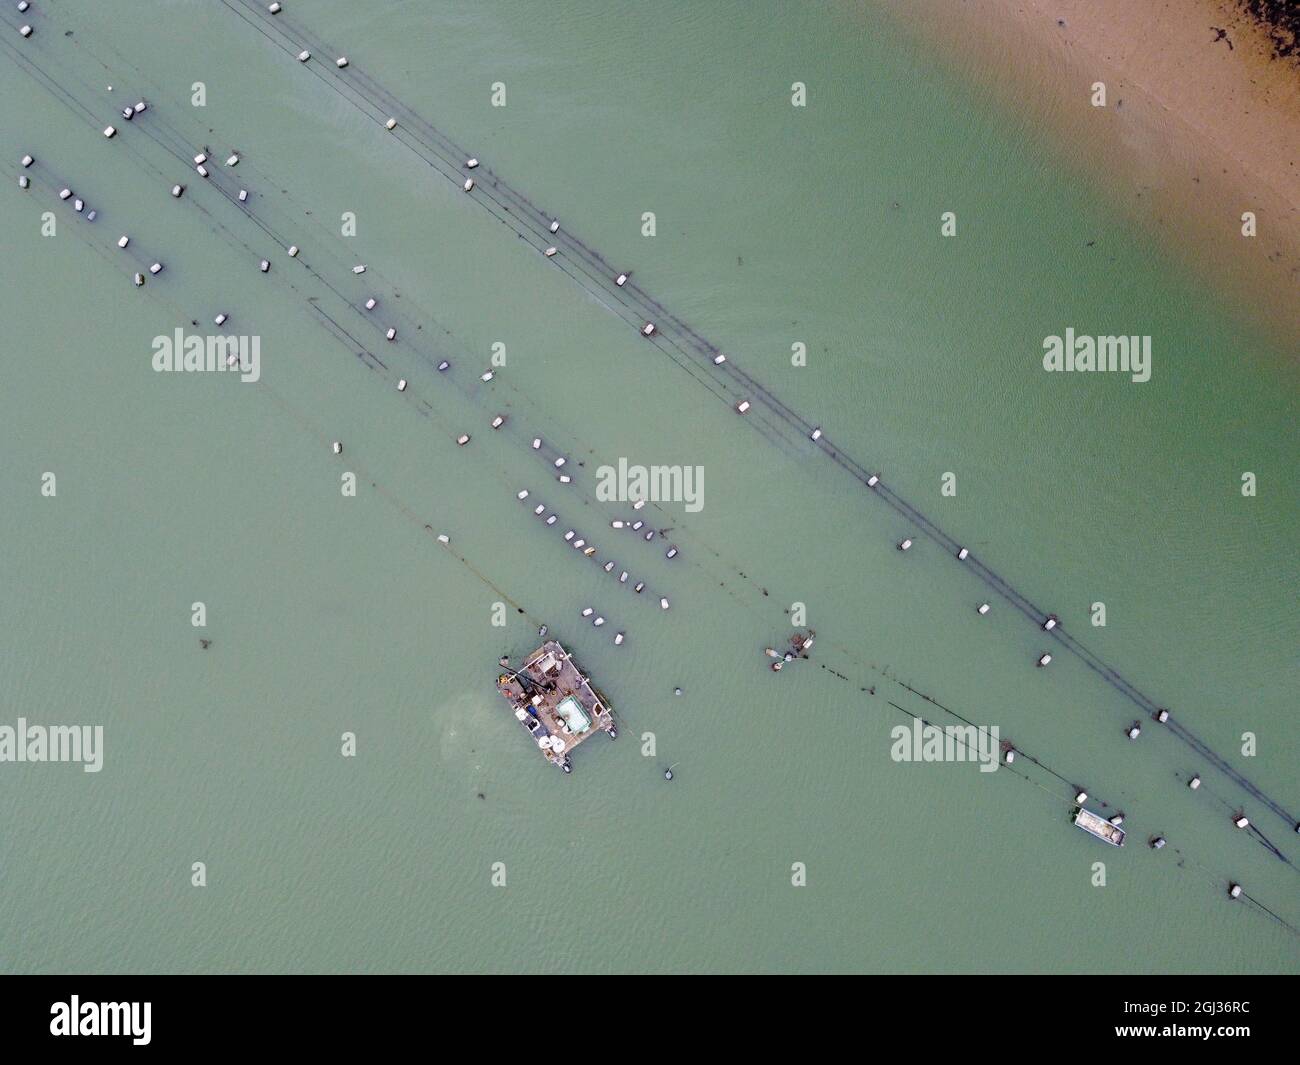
(330, 614)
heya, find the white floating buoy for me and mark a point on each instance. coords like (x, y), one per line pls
(110, 132)
(463, 439)
(371, 303)
(551, 251)
(341, 62)
(293, 251)
(1044, 659)
(983, 608)
(816, 434)
(1010, 756)
(469, 184)
(156, 268)
(443, 538)
(1081, 798)
(648, 330)
(28, 160)
(498, 421)
(274, 9)
(1050, 623)
(360, 268)
(904, 544)
(471, 163)
(537, 442)
(391, 334)
(1234, 891)
(1194, 783)
(24, 31)
(78, 204)
(443, 365)
(202, 170)
(264, 265)
(64, 193)
(140, 107)
(560, 462)
(23, 181)
(742, 407)
(401, 387)
(338, 447)
(233, 160)
(618, 639)
(220, 319)
(873, 480)
(139, 279)
(1241, 822)
(663, 602)
(202, 157)
(555, 226)
(390, 124)
(486, 376)
(621, 280)
(1162, 716)
(303, 56)
(243, 195)
(1134, 732)
(565, 479)
(123, 241)
(963, 553)
(672, 553)
(177, 190)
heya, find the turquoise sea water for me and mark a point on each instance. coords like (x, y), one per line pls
(775, 225)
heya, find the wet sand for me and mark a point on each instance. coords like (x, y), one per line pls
(1201, 122)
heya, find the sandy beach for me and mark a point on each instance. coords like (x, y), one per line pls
(1201, 122)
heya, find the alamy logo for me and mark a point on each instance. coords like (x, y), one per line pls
(655, 484)
(53, 743)
(192, 353)
(102, 1018)
(922, 742)
(1131, 355)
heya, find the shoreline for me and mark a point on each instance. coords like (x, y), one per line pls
(1201, 122)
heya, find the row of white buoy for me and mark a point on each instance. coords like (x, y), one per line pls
(571, 537)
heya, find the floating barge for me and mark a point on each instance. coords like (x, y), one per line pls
(1096, 825)
(555, 703)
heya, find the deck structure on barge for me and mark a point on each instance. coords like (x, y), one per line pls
(555, 703)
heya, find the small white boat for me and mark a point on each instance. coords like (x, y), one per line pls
(1096, 825)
